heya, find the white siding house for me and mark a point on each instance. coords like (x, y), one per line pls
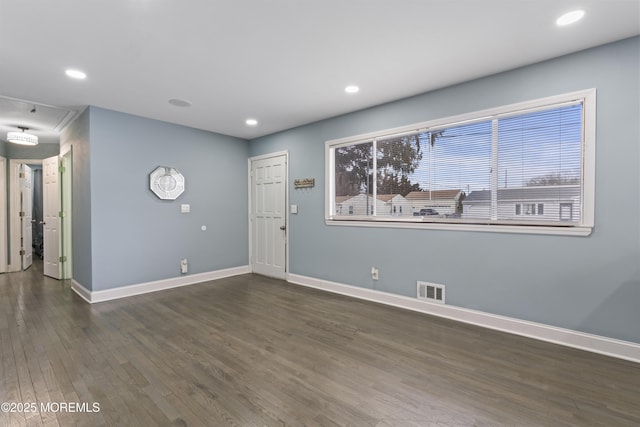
(361, 204)
(393, 205)
(548, 203)
(445, 202)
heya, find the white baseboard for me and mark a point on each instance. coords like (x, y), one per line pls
(567, 337)
(158, 285)
(84, 293)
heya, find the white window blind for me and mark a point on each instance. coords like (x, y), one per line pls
(519, 166)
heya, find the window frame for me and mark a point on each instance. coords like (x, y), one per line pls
(588, 99)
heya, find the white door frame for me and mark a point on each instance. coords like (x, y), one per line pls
(66, 182)
(286, 196)
(14, 263)
(4, 257)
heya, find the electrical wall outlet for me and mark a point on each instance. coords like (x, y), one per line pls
(374, 273)
(184, 266)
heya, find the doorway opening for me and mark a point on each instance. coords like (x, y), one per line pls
(35, 216)
(21, 213)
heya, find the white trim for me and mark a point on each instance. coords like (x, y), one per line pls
(3, 215)
(460, 226)
(158, 285)
(329, 181)
(589, 158)
(66, 203)
(270, 155)
(83, 292)
(249, 218)
(287, 202)
(594, 343)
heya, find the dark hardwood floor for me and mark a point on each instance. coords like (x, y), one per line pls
(254, 351)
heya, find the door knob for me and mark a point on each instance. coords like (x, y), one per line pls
(42, 222)
(283, 227)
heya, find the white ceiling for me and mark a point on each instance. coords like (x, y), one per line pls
(283, 62)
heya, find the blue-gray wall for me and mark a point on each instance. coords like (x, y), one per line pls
(38, 152)
(589, 284)
(138, 238)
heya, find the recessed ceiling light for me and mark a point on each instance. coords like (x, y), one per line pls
(177, 102)
(570, 17)
(352, 89)
(251, 122)
(75, 74)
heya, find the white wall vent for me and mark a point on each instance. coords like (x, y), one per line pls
(431, 292)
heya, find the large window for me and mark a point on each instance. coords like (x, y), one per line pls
(507, 168)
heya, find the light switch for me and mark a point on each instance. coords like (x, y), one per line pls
(185, 208)
(294, 209)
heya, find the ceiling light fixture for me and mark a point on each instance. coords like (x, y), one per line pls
(352, 89)
(22, 138)
(251, 122)
(75, 74)
(570, 17)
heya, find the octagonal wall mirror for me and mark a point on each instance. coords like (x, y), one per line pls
(166, 183)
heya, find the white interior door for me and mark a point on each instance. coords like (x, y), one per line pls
(26, 215)
(50, 214)
(268, 215)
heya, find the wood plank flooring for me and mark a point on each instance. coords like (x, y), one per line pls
(254, 351)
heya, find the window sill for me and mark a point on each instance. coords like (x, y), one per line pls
(580, 231)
